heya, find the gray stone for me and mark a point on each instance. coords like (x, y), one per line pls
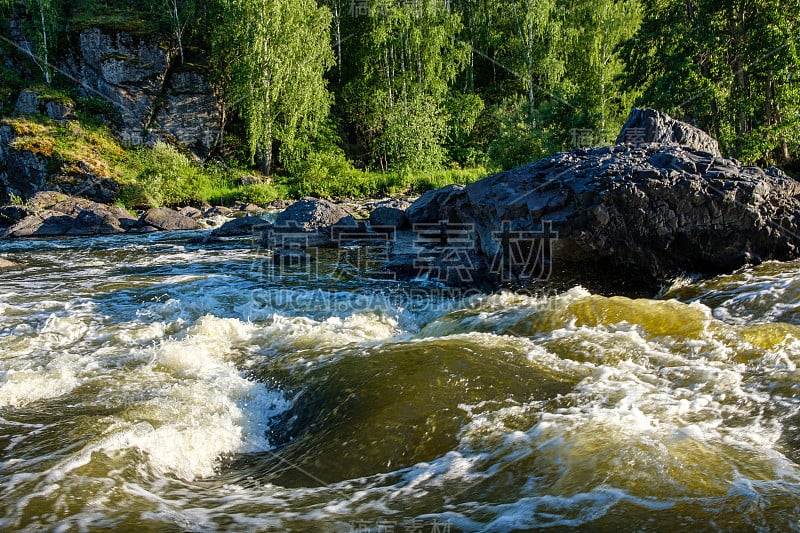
(191, 212)
(27, 103)
(219, 210)
(166, 219)
(60, 111)
(278, 204)
(127, 69)
(25, 171)
(10, 214)
(647, 125)
(242, 226)
(389, 217)
(190, 113)
(57, 215)
(312, 214)
(427, 208)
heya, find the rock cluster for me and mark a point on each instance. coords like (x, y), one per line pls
(51, 214)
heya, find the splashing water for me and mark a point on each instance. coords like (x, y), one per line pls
(151, 385)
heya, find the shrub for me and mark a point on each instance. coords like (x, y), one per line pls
(166, 177)
(258, 193)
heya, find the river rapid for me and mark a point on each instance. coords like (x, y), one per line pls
(151, 384)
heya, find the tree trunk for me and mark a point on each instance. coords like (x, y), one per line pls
(45, 65)
(178, 29)
(337, 22)
(264, 158)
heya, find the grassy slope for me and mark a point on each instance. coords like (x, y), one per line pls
(164, 176)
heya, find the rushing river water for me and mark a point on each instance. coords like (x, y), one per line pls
(150, 384)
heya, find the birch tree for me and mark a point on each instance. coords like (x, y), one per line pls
(271, 57)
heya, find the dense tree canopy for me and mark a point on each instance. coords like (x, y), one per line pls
(730, 67)
(424, 84)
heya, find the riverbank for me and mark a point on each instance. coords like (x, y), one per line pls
(625, 219)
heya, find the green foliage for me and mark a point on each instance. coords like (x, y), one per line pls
(165, 176)
(463, 112)
(363, 184)
(258, 193)
(13, 199)
(41, 27)
(516, 141)
(10, 85)
(270, 58)
(422, 86)
(407, 56)
(730, 68)
(414, 134)
(99, 109)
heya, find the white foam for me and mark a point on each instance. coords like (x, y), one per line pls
(19, 388)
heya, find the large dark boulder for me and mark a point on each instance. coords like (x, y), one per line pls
(308, 223)
(625, 219)
(645, 125)
(166, 219)
(428, 206)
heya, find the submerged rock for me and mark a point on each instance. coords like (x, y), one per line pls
(288, 257)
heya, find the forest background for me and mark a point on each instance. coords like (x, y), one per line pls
(353, 98)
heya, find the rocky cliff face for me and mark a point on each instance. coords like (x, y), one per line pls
(125, 69)
(156, 99)
(22, 172)
(189, 114)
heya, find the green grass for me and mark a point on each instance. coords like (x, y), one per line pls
(363, 184)
(74, 147)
